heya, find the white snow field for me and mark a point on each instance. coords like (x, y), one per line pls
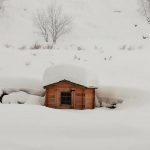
(107, 41)
(36, 127)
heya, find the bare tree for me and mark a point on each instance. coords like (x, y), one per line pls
(53, 22)
(58, 23)
(41, 22)
(145, 9)
(1, 5)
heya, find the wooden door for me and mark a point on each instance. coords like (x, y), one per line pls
(78, 99)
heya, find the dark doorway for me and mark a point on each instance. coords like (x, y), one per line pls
(66, 98)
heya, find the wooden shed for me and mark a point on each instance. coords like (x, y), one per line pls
(69, 95)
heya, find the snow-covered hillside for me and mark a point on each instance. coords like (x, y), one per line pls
(104, 39)
(109, 39)
(36, 127)
(94, 22)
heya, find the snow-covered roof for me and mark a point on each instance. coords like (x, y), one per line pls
(61, 72)
(66, 82)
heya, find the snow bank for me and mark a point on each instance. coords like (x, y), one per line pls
(22, 98)
(29, 91)
(131, 98)
(35, 100)
(107, 98)
(16, 97)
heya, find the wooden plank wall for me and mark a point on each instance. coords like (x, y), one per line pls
(89, 98)
(82, 98)
(78, 99)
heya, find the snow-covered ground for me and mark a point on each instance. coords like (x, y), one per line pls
(107, 40)
(37, 127)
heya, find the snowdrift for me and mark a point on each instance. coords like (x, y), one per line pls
(22, 98)
(127, 127)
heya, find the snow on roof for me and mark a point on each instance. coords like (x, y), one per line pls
(61, 72)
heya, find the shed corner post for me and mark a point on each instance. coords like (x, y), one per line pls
(45, 104)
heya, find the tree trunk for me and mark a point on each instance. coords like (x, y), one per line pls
(54, 43)
(46, 39)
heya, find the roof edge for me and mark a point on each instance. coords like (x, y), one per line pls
(68, 82)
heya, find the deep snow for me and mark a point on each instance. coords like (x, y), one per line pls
(104, 41)
(38, 127)
(23, 98)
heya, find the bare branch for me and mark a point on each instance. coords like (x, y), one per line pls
(53, 23)
(59, 23)
(42, 24)
(145, 9)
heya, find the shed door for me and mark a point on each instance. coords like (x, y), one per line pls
(79, 103)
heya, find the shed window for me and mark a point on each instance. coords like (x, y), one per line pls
(66, 98)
